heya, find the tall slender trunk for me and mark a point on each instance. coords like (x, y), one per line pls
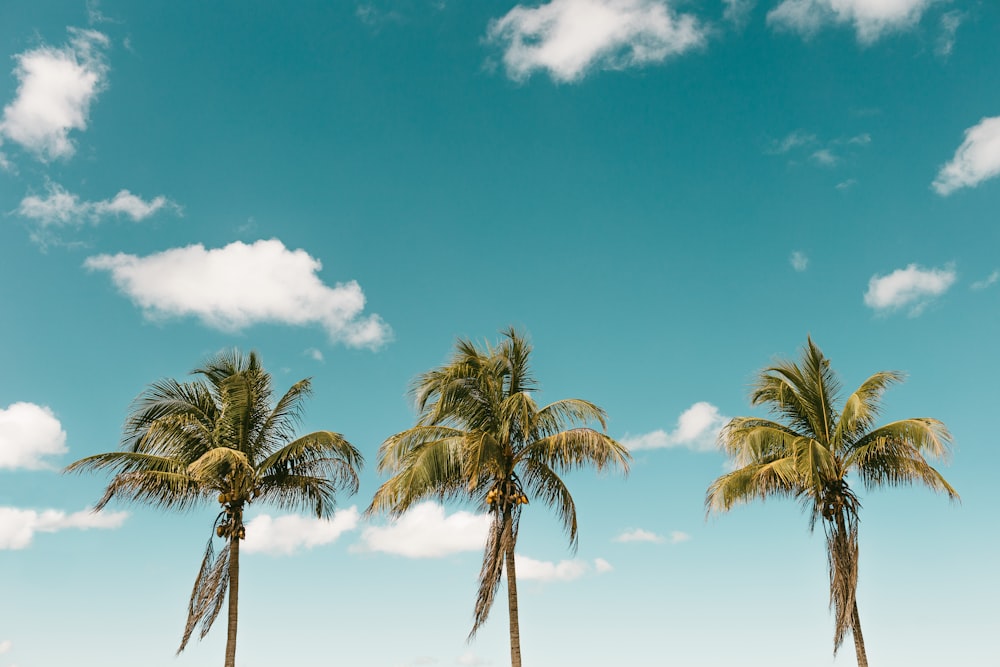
(515, 631)
(859, 640)
(234, 592)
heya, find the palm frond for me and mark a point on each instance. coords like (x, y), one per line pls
(863, 407)
(561, 415)
(542, 483)
(577, 447)
(894, 454)
(501, 539)
(779, 477)
(209, 592)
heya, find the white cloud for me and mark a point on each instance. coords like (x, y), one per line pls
(314, 354)
(912, 287)
(242, 284)
(424, 531)
(738, 11)
(5, 646)
(567, 38)
(61, 207)
(870, 18)
(639, 535)
(470, 659)
(18, 526)
(977, 159)
(284, 535)
(950, 21)
(847, 185)
(697, 429)
(28, 434)
(677, 536)
(792, 140)
(529, 569)
(799, 261)
(987, 281)
(825, 157)
(55, 90)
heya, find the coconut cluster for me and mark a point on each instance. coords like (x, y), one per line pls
(497, 496)
(231, 525)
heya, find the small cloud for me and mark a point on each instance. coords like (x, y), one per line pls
(18, 526)
(569, 38)
(639, 535)
(314, 354)
(529, 569)
(847, 185)
(737, 12)
(677, 536)
(793, 140)
(602, 566)
(285, 535)
(987, 281)
(56, 87)
(825, 157)
(63, 208)
(976, 160)
(424, 531)
(913, 287)
(242, 284)
(697, 429)
(871, 19)
(799, 261)
(470, 659)
(5, 646)
(29, 434)
(950, 21)
(860, 139)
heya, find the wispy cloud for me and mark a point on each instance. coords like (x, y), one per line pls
(529, 569)
(913, 288)
(242, 284)
(977, 159)
(568, 38)
(950, 22)
(314, 354)
(56, 87)
(60, 207)
(791, 141)
(737, 12)
(847, 185)
(19, 526)
(639, 535)
(799, 261)
(824, 157)
(871, 19)
(29, 434)
(697, 429)
(987, 281)
(801, 146)
(5, 646)
(425, 531)
(284, 535)
(678, 536)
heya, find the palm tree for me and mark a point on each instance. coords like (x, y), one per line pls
(810, 452)
(481, 436)
(220, 434)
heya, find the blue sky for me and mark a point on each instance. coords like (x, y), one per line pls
(667, 196)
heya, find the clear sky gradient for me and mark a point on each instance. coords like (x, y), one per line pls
(665, 195)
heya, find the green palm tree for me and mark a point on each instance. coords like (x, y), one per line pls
(810, 452)
(480, 436)
(183, 443)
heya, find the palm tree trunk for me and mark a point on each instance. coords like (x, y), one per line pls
(859, 640)
(515, 631)
(234, 595)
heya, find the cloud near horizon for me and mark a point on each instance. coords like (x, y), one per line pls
(976, 160)
(569, 38)
(285, 535)
(62, 208)
(529, 569)
(913, 287)
(242, 284)
(56, 87)
(19, 526)
(871, 19)
(697, 429)
(425, 531)
(29, 434)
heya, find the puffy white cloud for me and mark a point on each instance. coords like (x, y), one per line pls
(987, 281)
(18, 526)
(529, 569)
(425, 531)
(284, 535)
(639, 535)
(567, 38)
(799, 261)
(28, 434)
(677, 536)
(913, 287)
(977, 159)
(55, 90)
(60, 207)
(870, 18)
(5, 645)
(697, 429)
(242, 284)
